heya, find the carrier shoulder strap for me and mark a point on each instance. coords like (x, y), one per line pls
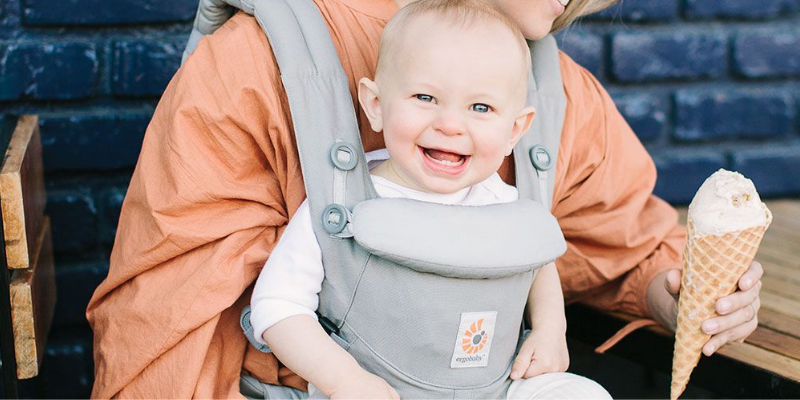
(535, 155)
(325, 125)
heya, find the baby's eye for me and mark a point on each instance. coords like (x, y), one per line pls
(480, 107)
(424, 97)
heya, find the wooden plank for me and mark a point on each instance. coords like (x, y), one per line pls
(775, 342)
(789, 308)
(779, 322)
(33, 298)
(775, 268)
(767, 360)
(781, 287)
(22, 192)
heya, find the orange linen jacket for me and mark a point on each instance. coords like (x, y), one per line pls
(218, 178)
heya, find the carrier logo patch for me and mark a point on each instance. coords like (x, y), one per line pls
(474, 340)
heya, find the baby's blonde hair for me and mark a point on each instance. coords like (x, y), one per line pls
(460, 13)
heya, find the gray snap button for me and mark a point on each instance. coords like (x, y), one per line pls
(540, 158)
(334, 218)
(344, 156)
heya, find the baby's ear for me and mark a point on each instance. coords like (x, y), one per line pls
(521, 125)
(370, 99)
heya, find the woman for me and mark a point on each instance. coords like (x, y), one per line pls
(219, 177)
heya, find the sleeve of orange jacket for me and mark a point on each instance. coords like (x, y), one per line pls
(619, 235)
(216, 180)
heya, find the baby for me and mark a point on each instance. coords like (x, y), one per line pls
(449, 96)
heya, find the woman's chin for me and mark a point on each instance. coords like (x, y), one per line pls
(536, 32)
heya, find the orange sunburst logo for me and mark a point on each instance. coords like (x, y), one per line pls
(474, 338)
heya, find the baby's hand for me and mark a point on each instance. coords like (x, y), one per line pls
(364, 385)
(541, 352)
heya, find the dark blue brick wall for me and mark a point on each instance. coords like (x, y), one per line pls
(742, 9)
(646, 56)
(74, 220)
(681, 172)
(48, 71)
(92, 141)
(774, 170)
(103, 12)
(709, 115)
(143, 68)
(646, 114)
(586, 49)
(704, 84)
(767, 54)
(640, 11)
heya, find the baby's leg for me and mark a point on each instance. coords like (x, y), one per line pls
(557, 385)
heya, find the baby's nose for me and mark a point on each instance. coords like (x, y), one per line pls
(449, 122)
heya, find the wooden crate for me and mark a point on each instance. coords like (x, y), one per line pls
(28, 246)
(22, 193)
(33, 295)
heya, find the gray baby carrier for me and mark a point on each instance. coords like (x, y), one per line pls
(430, 297)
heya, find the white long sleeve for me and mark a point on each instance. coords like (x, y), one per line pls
(292, 276)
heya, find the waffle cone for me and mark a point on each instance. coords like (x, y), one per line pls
(712, 266)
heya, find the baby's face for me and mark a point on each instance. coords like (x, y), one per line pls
(452, 106)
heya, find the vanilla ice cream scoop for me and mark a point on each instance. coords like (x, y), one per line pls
(726, 202)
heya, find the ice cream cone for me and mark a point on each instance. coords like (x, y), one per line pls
(712, 266)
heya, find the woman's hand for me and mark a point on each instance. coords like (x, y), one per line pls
(738, 311)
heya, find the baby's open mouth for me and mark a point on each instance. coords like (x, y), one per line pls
(445, 158)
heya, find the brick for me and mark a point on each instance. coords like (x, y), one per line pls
(586, 49)
(773, 170)
(74, 220)
(102, 12)
(645, 56)
(68, 368)
(640, 11)
(110, 200)
(767, 54)
(9, 18)
(740, 9)
(681, 172)
(82, 280)
(143, 68)
(48, 71)
(97, 141)
(702, 115)
(645, 113)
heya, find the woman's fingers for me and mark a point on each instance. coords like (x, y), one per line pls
(738, 300)
(751, 276)
(746, 313)
(736, 334)
(738, 312)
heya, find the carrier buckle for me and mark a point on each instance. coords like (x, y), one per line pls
(540, 158)
(344, 156)
(335, 218)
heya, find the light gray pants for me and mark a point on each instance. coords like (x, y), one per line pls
(559, 385)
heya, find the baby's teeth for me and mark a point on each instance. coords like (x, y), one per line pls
(449, 163)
